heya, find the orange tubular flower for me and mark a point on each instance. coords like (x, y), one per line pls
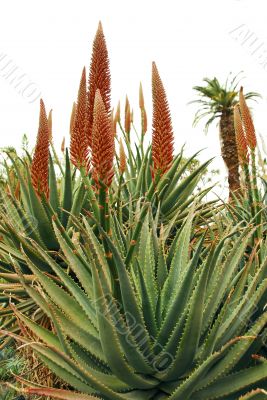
(103, 146)
(99, 78)
(39, 167)
(241, 142)
(78, 142)
(162, 132)
(247, 121)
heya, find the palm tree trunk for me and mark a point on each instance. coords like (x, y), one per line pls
(229, 151)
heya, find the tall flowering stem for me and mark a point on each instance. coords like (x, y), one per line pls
(127, 118)
(40, 162)
(99, 78)
(103, 146)
(241, 141)
(103, 153)
(243, 155)
(122, 164)
(252, 143)
(126, 131)
(162, 132)
(247, 121)
(79, 140)
(143, 116)
(143, 110)
(162, 150)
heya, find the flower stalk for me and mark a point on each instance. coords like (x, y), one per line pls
(40, 162)
(162, 131)
(99, 78)
(243, 154)
(143, 117)
(79, 140)
(251, 139)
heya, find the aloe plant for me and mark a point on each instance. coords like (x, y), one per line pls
(249, 204)
(90, 182)
(142, 299)
(24, 216)
(187, 322)
(154, 173)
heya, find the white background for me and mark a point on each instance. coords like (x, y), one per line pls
(51, 42)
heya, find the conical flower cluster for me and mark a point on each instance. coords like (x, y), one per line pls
(162, 132)
(39, 167)
(99, 78)
(241, 142)
(103, 147)
(247, 121)
(79, 142)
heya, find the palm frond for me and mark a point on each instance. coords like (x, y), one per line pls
(215, 98)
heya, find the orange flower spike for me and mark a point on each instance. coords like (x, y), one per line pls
(122, 166)
(127, 118)
(99, 78)
(78, 140)
(40, 162)
(162, 131)
(241, 142)
(247, 121)
(50, 126)
(103, 146)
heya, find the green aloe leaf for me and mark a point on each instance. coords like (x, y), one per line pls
(233, 383)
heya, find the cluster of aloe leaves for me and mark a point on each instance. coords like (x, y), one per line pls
(140, 289)
(177, 309)
(184, 321)
(25, 216)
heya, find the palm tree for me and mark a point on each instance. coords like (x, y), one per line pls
(218, 101)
